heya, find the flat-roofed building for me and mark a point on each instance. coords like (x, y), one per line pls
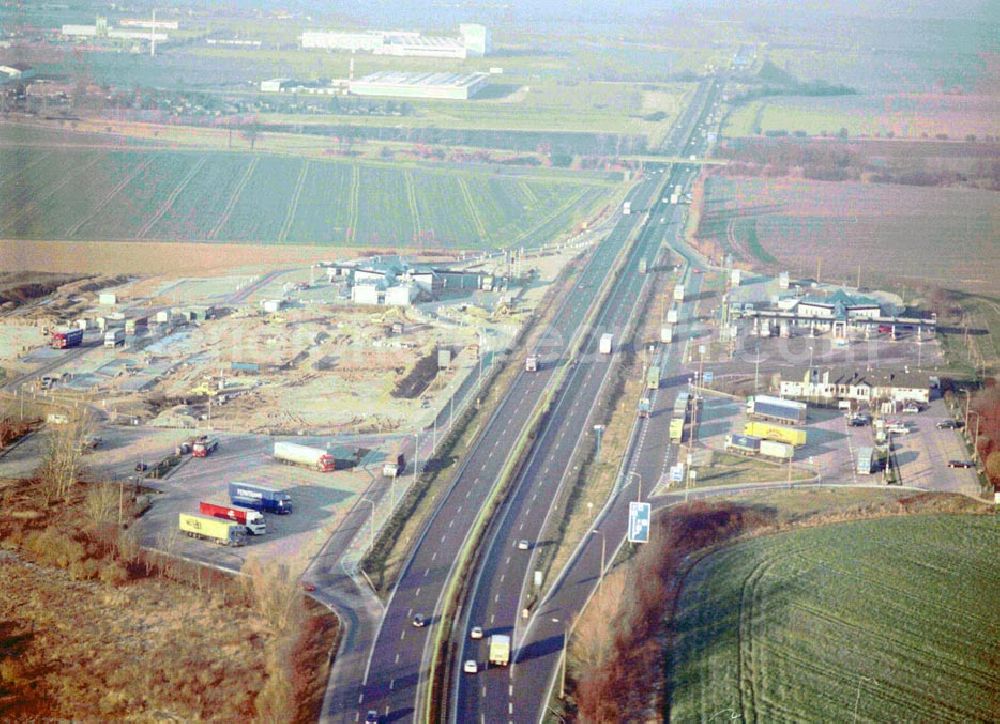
(451, 86)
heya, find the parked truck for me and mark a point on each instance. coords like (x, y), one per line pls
(207, 527)
(249, 518)
(114, 338)
(672, 315)
(677, 429)
(394, 468)
(531, 363)
(777, 450)
(766, 407)
(742, 444)
(681, 404)
(292, 453)
(260, 497)
(63, 338)
(653, 377)
(605, 345)
(499, 650)
(775, 432)
(204, 447)
(679, 293)
(627, 208)
(667, 334)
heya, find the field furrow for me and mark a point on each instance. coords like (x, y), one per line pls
(294, 205)
(231, 204)
(165, 206)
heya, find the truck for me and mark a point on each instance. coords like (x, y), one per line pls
(653, 378)
(767, 407)
(499, 650)
(394, 468)
(643, 265)
(250, 519)
(776, 449)
(531, 363)
(114, 338)
(775, 432)
(204, 447)
(677, 429)
(207, 527)
(605, 345)
(866, 461)
(645, 407)
(742, 444)
(63, 338)
(627, 208)
(291, 453)
(667, 334)
(674, 198)
(679, 293)
(672, 315)
(681, 404)
(260, 497)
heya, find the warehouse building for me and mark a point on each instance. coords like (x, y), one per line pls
(15, 72)
(473, 40)
(448, 86)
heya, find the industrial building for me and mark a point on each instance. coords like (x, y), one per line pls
(449, 86)
(473, 40)
(102, 30)
(15, 72)
(831, 385)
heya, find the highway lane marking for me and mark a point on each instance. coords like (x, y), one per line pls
(510, 708)
(502, 576)
(361, 697)
(427, 572)
(443, 536)
(510, 690)
(492, 617)
(507, 562)
(357, 715)
(392, 684)
(468, 494)
(451, 522)
(459, 510)
(433, 557)
(409, 612)
(484, 696)
(402, 634)
(496, 597)
(417, 594)
(397, 657)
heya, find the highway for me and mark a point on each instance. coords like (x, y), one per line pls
(501, 582)
(398, 655)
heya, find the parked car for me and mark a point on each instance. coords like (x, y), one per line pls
(949, 424)
(911, 409)
(961, 464)
(141, 467)
(858, 421)
(523, 545)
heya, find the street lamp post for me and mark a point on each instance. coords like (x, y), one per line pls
(974, 438)
(600, 580)
(599, 430)
(568, 627)
(637, 475)
(371, 532)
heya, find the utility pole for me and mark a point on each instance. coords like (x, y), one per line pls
(371, 531)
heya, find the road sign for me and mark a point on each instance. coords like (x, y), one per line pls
(677, 473)
(638, 522)
(709, 376)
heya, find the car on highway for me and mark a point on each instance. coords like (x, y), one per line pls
(419, 621)
(523, 545)
(476, 633)
(470, 666)
(308, 586)
(371, 717)
(961, 464)
(141, 467)
(948, 425)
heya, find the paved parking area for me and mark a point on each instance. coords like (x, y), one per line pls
(924, 453)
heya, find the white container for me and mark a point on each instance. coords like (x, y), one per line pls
(605, 344)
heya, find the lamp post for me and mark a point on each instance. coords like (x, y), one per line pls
(600, 580)
(637, 475)
(568, 627)
(599, 430)
(371, 532)
(975, 438)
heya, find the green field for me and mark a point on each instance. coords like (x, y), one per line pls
(883, 620)
(199, 195)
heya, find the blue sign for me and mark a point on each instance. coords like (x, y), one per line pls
(638, 522)
(709, 376)
(677, 473)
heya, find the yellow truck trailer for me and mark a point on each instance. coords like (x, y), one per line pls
(768, 431)
(677, 429)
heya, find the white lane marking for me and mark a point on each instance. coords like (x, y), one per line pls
(451, 522)
(510, 690)
(484, 696)
(402, 634)
(496, 597)
(492, 617)
(510, 708)
(443, 536)
(417, 594)
(433, 557)
(468, 494)
(502, 576)
(459, 510)
(409, 612)
(427, 572)
(361, 697)
(392, 684)
(397, 658)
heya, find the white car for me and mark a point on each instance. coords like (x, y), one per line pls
(476, 633)
(523, 545)
(470, 666)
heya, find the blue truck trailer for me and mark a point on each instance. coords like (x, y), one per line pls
(260, 497)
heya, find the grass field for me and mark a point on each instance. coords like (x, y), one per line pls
(905, 116)
(94, 193)
(939, 236)
(882, 620)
